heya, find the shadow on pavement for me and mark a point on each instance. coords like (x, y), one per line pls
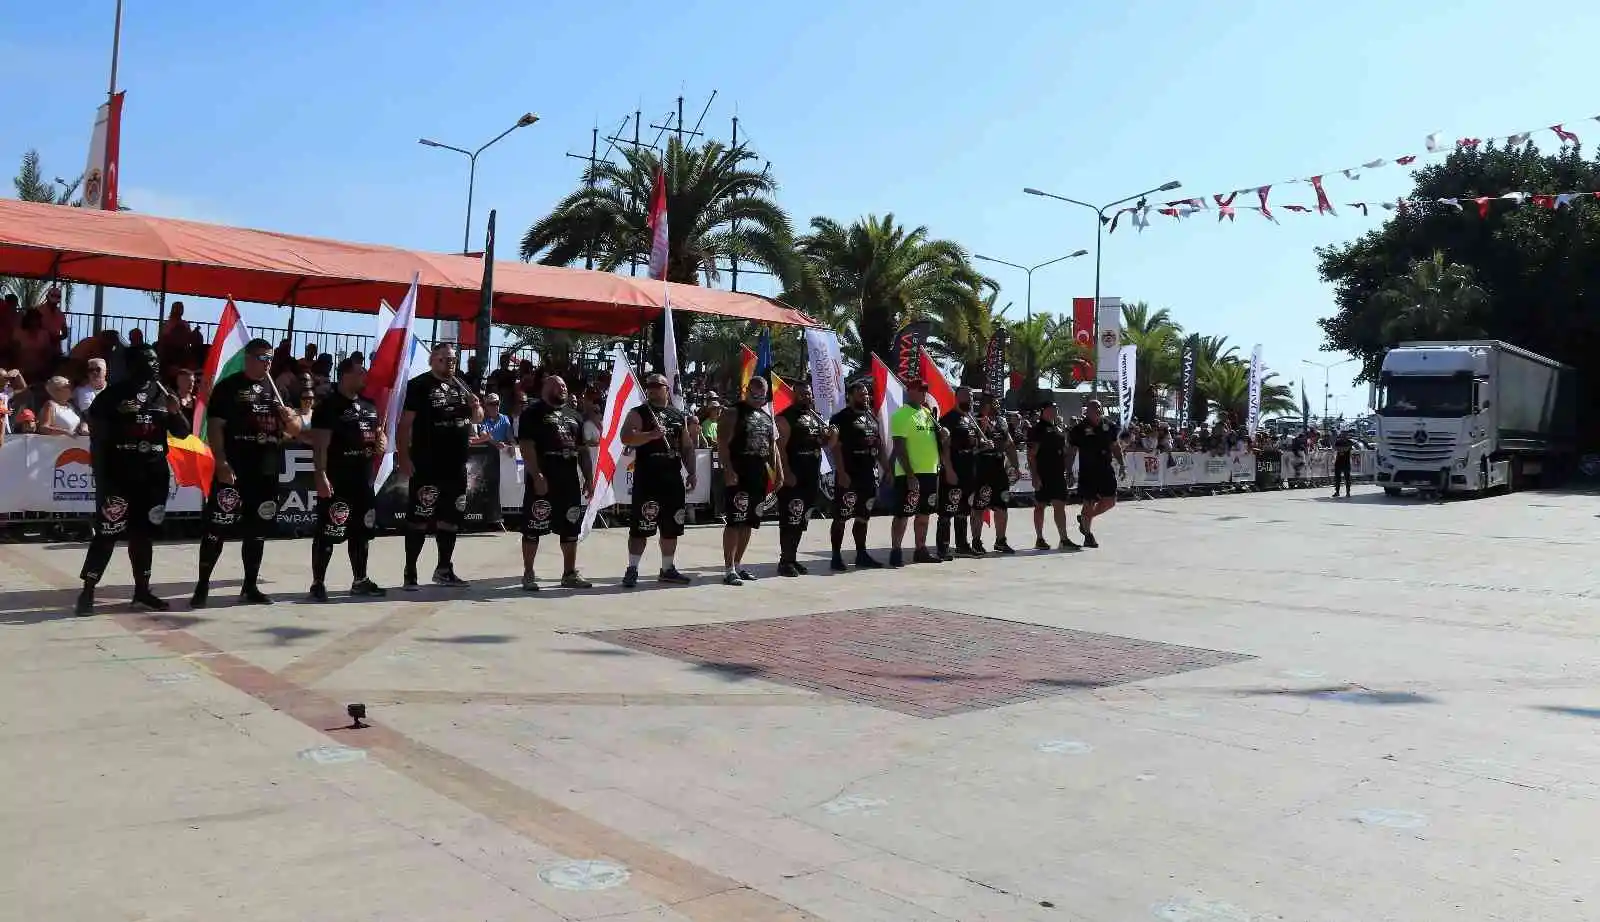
(1591, 713)
(470, 639)
(1349, 694)
(39, 606)
(285, 634)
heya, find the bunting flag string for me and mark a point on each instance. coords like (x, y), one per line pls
(1483, 205)
(1434, 144)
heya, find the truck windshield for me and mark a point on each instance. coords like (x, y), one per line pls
(1427, 396)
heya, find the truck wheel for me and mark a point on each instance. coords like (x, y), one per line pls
(1514, 479)
(1392, 491)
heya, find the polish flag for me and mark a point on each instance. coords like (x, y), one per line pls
(888, 395)
(623, 396)
(938, 386)
(390, 367)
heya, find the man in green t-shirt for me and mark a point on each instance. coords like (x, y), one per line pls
(915, 429)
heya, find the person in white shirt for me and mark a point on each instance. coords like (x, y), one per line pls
(60, 418)
(94, 383)
(11, 384)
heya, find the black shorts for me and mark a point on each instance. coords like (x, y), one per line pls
(856, 501)
(437, 498)
(917, 494)
(992, 485)
(1097, 481)
(246, 508)
(1341, 465)
(956, 498)
(795, 503)
(351, 512)
(131, 504)
(744, 499)
(658, 506)
(558, 512)
(1050, 488)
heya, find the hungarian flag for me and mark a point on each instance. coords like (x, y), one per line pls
(225, 357)
(390, 367)
(623, 395)
(888, 395)
(191, 462)
(747, 369)
(938, 387)
(782, 395)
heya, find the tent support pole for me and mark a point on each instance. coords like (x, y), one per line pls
(161, 316)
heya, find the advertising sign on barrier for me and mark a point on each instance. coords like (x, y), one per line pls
(1180, 469)
(484, 495)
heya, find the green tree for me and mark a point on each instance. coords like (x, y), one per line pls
(33, 185)
(1225, 387)
(1437, 299)
(1043, 347)
(962, 335)
(1158, 361)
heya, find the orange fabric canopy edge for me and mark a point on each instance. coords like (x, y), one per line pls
(129, 250)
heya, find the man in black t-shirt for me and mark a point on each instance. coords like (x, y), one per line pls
(435, 430)
(994, 469)
(246, 426)
(1093, 442)
(1343, 445)
(129, 422)
(747, 443)
(346, 439)
(802, 435)
(663, 460)
(857, 449)
(1047, 468)
(960, 477)
(553, 494)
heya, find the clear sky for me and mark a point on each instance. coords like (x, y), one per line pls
(304, 117)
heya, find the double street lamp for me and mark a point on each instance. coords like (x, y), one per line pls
(1030, 270)
(1327, 369)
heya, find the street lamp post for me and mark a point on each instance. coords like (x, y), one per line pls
(1327, 370)
(472, 178)
(1099, 225)
(1030, 270)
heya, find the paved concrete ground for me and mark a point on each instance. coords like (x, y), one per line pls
(1390, 712)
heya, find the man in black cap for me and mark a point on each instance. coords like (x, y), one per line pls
(1093, 441)
(802, 434)
(857, 456)
(246, 425)
(994, 469)
(1047, 468)
(961, 477)
(346, 439)
(663, 461)
(747, 443)
(553, 495)
(129, 422)
(432, 438)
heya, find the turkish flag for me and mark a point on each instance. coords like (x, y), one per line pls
(938, 387)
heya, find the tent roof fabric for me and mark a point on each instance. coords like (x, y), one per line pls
(129, 250)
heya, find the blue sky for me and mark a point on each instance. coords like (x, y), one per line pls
(306, 119)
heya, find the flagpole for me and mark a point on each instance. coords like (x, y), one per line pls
(111, 95)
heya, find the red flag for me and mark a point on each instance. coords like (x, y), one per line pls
(1406, 160)
(114, 154)
(384, 367)
(192, 463)
(747, 369)
(938, 387)
(1566, 136)
(782, 395)
(1083, 335)
(658, 227)
(1262, 193)
(1323, 205)
(1483, 205)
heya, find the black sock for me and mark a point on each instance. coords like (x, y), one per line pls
(321, 556)
(861, 536)
(788, 544)
(141, 552)
(251, 553)
(358, 558)
(97, 559)
(416, 540)
(837, 536)
(446, 539)
(210, 553)
(942, 533)
(961, 531)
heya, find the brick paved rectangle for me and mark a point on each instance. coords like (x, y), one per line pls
(917, 661)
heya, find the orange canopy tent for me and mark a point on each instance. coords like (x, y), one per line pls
(128, 250)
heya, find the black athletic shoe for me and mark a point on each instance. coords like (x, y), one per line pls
(144, 598)
(732, 579)
(1067, 544)
(319, 592)
(896, 561)
(788, 569)
(745, 575)
(801, 567)
(446, 577)
(837, 564)
(1040, 544)
(671, 575)
(250, 595)
(630, 577)
(1089, 541)
(574, 580)
(977, 549)
(945, 555)
(366, 587)
(200, 599)
(85, 604)
(865, 561)
(922, 555)
(1004, 547)
(409, 584)
(530, 583)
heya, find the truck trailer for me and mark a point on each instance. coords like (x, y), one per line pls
(1473, 416)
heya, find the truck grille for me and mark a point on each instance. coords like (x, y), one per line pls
(1434, 453)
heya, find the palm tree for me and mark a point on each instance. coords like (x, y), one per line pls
(32, 186)
(718, 209)
(1208, 351)
(873, 277)
(1043, 347)
(962, 336)
(1159, 359)
(1436, 299)
(1225, 386)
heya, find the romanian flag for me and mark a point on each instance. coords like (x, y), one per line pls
(782, 396)
(747, 369)
(191, 462)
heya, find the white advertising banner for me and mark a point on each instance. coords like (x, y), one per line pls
(1127, 381)
(1107, 338)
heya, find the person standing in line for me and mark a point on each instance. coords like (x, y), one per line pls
(802, 435)
(857, 455)
(128, 427)
(346, 441)
(432, 438)
(1343, 445)
(1047, 468)
(917, 451)
(961, 476)
(747, 444)
(663, 462)
(246, 426)
(553, 495)
(1093, 442)
(994, 471)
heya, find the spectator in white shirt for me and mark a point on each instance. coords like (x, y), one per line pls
(94, 383)
(60, 418)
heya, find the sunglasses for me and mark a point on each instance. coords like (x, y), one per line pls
(262, 356)
(651, 387)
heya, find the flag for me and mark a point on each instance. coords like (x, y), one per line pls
(782, 395)
(1253, 421)
(1305, 406)
(827, 372)
(100, 173)
(747, 370)
(1083, 334)
(669, 355)
(938, 387)
(1127, 381)
(907, 343)
(994, 363)
(888, 395)
(1186, 393)
(191, 462)
(225, 357)
(657, 223)
(764, 352)
(484, 323)
(389, 368)
(623, 395)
